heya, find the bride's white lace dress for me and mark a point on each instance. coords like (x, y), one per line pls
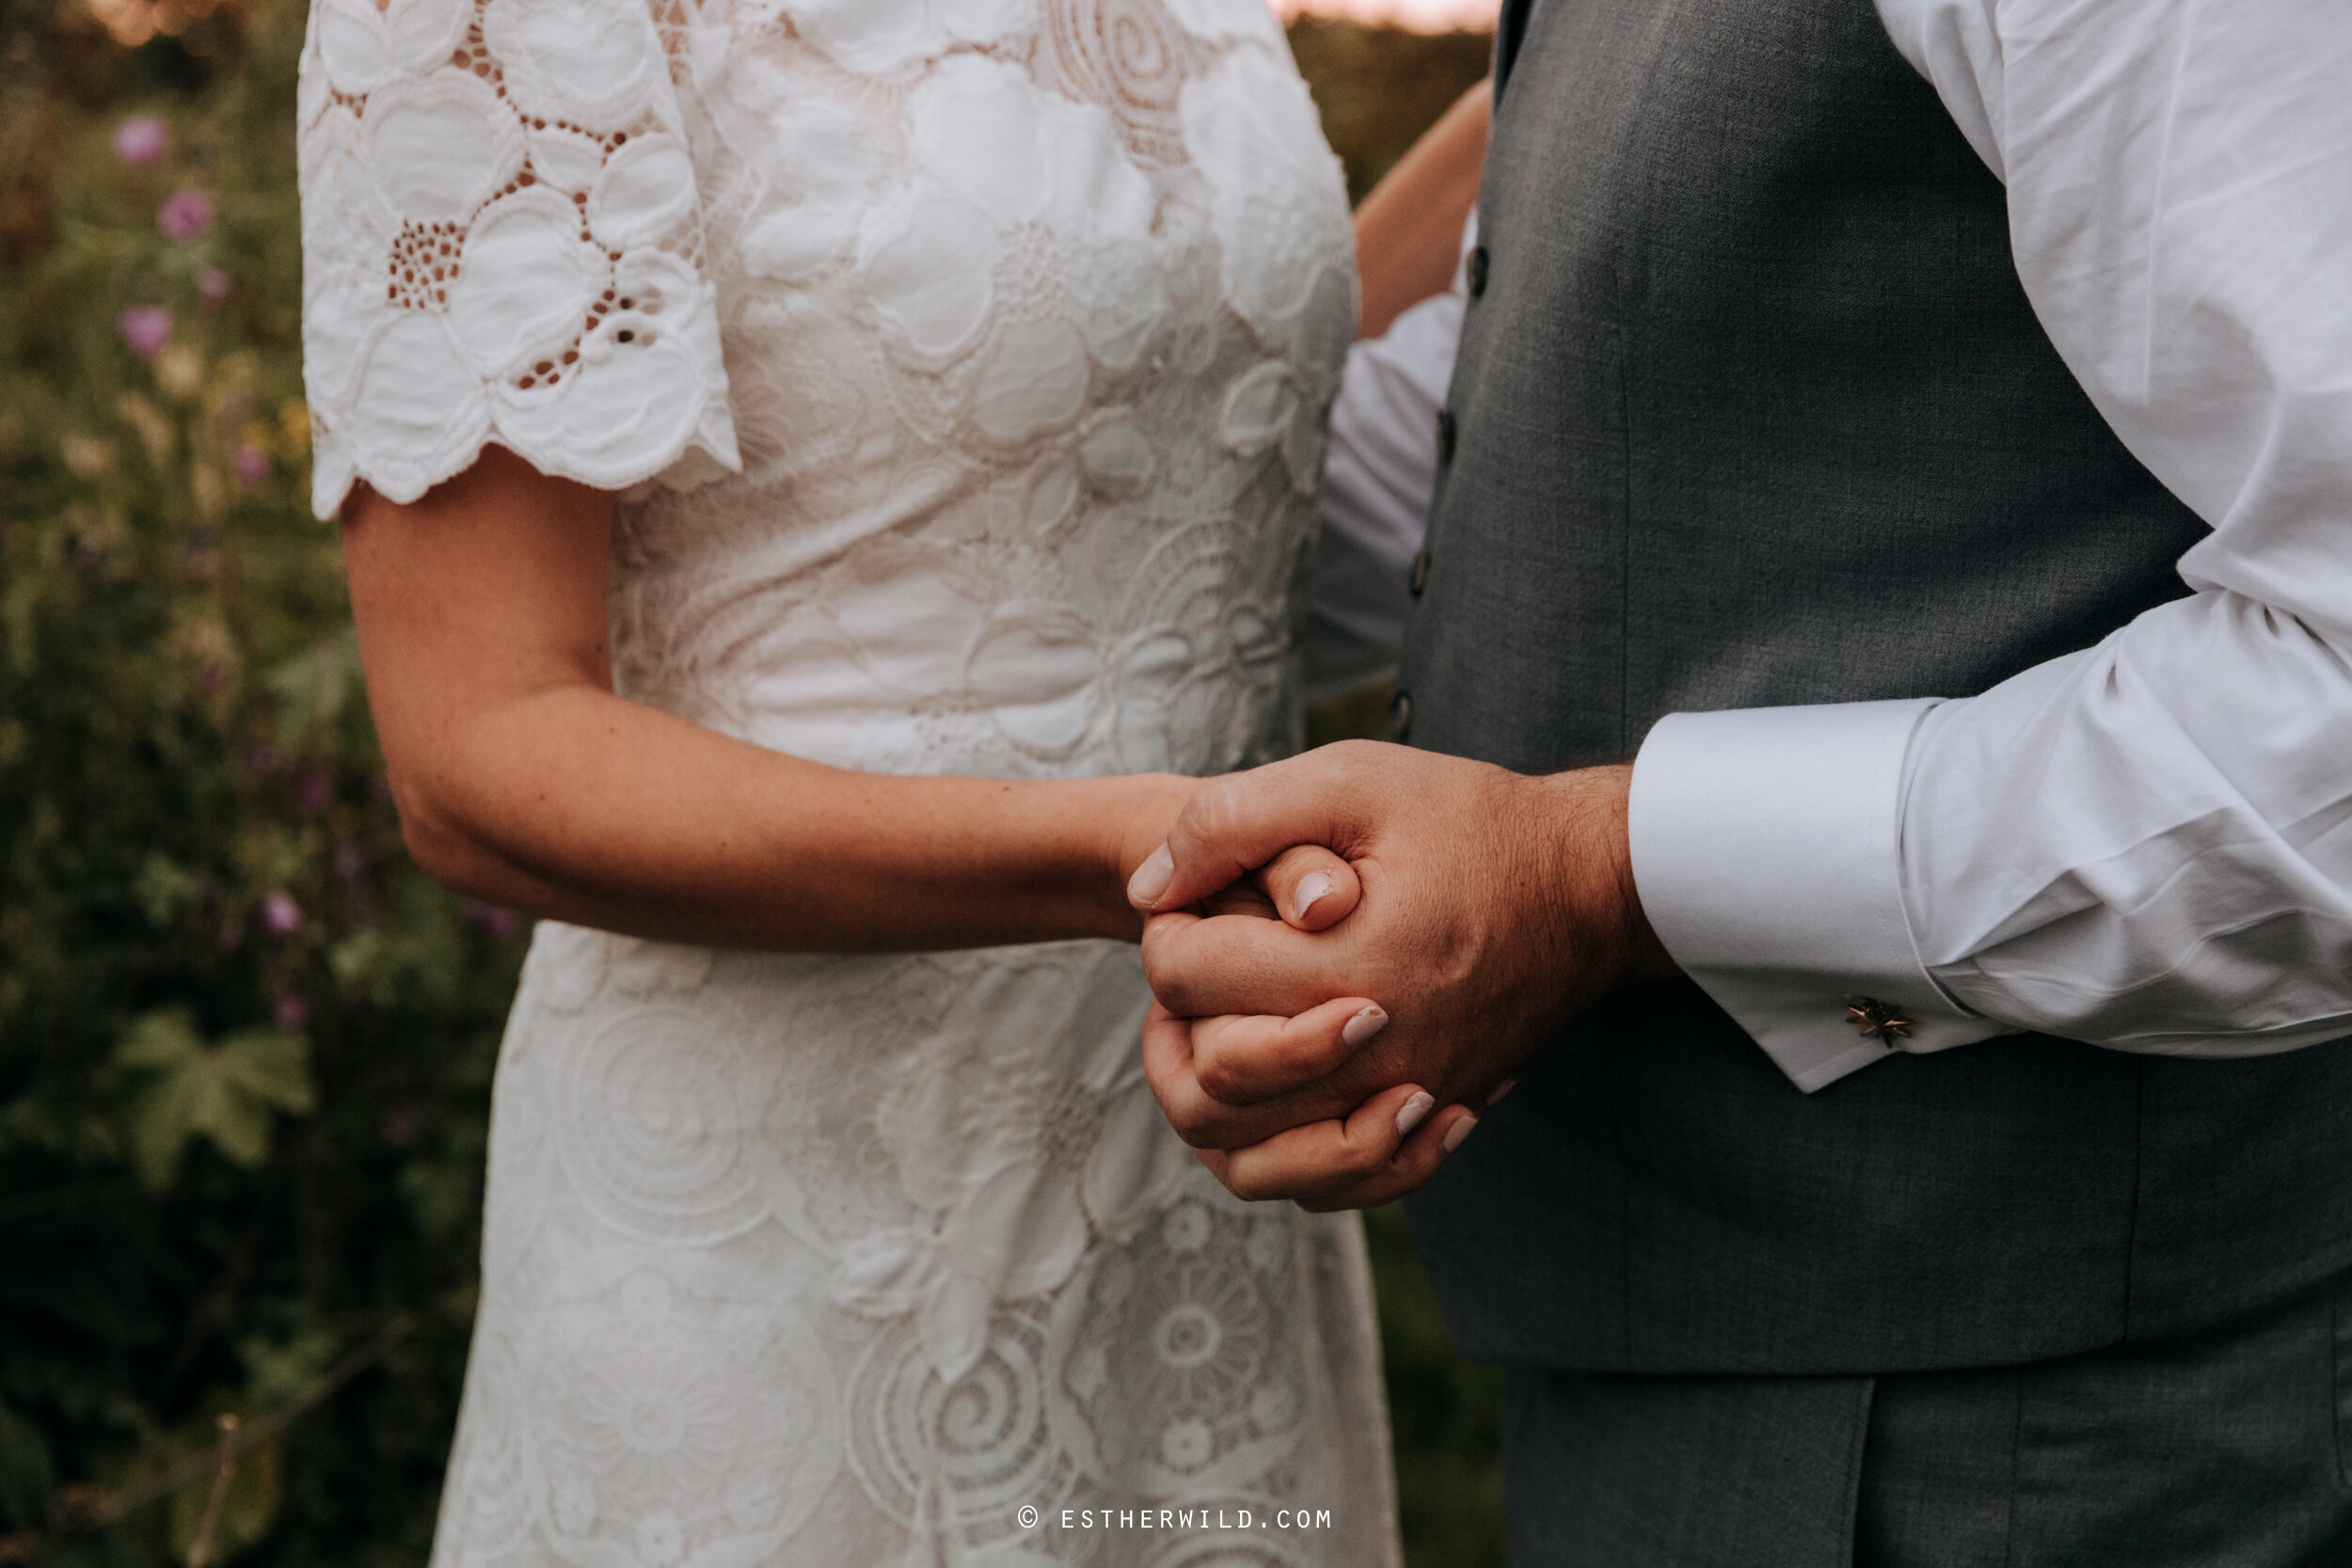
(965, 364)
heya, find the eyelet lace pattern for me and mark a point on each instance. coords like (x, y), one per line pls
(963, 364)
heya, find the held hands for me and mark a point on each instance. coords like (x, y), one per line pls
(1305, 885)
(1308, 1063)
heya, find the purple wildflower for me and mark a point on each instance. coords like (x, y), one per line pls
(183, 215)
(492, 921)
(212, 288)
(314, 791)
(143, 140)
(280, 913)
(351, 862)
(252, 465)
(290, 1011)
(147, 329)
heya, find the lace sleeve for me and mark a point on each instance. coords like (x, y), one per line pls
(502, 242)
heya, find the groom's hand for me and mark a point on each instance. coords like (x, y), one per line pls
(1495, 907)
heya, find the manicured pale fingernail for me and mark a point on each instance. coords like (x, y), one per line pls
(1311, 887)
(1501, 1090)
(1363, 1025)
(1414, 1111)
(1152, 877)
(1455, 1133)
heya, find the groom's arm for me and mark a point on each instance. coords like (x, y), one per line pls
(2148, 845)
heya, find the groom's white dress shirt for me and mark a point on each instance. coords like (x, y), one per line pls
(1378, 473)
(2146, 845)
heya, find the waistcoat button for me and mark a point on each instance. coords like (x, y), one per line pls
(1420, 571)
(1445, 436)
(1401, 718)
(1477, 271)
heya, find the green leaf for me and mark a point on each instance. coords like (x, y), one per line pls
(312, 687)
(277, 1371)
(419, 949)
(160, 1040)
(223, 1092)
(250, 1503)
(165, 887)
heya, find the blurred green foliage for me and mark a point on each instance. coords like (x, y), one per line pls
(245, 1045)
(1378, 89)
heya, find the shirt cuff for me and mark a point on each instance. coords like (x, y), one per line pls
(1767, 853)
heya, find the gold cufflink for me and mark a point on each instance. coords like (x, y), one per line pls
(1877, 1020)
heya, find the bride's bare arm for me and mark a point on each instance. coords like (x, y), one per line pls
(523, 779)
(1409, 231)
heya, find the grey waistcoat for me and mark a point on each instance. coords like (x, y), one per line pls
(1751, 410)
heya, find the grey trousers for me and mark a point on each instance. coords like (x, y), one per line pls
(2225, 1451)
